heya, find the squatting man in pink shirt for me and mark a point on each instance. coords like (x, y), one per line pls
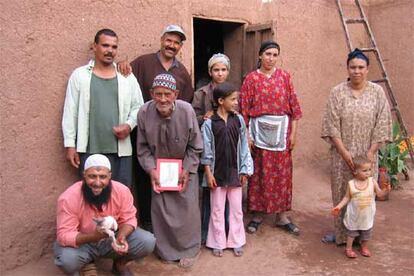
(80, 240)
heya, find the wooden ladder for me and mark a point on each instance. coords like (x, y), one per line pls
(374, 49)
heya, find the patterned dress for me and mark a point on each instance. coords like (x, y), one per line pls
(358, 122)
(270, 187)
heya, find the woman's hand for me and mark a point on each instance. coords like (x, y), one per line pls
(251, 143)
(292, 137)
(346, 155)
(292, 141)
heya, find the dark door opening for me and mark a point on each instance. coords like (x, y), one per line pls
(211, 37)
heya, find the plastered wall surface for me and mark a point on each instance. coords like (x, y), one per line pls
(43, 41)
(392, 23)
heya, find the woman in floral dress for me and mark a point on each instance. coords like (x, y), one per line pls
(270, 107)
(357, 120)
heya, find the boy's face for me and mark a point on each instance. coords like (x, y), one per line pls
(363, 171)
(230, 103)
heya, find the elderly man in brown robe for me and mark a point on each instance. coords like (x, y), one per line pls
(168, 129)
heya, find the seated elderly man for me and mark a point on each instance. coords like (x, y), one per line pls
(80, 240)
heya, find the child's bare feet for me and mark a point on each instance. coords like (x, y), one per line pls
(350, 253)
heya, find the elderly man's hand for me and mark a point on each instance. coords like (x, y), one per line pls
(155, 181)
(124, 67)
(183, 180)
(121, 131)
(73, 156)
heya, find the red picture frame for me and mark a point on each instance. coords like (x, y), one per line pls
(168, 171)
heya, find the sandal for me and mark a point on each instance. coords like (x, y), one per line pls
(217, 252)
(365, 252)
(238, 252)
(253, 226)
(329, 238)
(188, 262)
(350, 253)
(291, 228)
(89, 270)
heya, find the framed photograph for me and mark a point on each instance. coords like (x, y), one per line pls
(168, 172)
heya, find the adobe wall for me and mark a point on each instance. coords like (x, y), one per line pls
(44, 41)
(392, 24)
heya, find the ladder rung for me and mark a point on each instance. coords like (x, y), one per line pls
(354, 20)
(379, 80)
(368, 49)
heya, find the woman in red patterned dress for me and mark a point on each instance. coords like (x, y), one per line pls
(271, 110)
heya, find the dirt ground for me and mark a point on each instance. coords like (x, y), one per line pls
(272, 251)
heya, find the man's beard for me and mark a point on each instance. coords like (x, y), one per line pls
(96, 200)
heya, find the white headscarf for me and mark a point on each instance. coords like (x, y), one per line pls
(219, 58)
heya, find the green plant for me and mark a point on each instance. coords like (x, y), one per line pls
(392, 157)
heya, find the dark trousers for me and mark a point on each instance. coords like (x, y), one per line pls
(143, 195)
(142, 187)
(121, 167)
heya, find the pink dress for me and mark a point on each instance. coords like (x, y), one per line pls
(270, 187)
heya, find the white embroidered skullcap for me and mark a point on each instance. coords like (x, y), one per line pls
(219, 58)
(97, 160)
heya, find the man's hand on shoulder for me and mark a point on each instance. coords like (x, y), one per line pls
(73, 156)
(121, 131)
(124, 67)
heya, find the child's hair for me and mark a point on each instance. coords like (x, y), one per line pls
(223, 90)
(360, 160)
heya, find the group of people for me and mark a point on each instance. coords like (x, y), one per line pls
(225, 136)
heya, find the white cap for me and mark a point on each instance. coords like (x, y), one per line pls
(97, 160)
(175, 29)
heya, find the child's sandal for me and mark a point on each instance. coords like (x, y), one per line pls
(365, 252)
(350, 253)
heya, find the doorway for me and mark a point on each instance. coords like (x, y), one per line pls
(214, 36)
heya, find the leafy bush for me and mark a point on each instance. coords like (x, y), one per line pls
(392, 155)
